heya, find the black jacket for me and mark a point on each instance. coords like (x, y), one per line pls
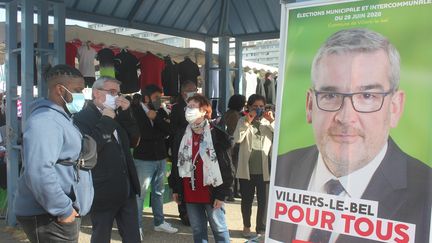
(170, 78)
(152, 144)
(177, 117)
(114, 177)
(222, 146)
(188, 70)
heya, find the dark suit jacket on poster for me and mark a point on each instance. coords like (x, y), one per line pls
(115, 177)
(401, 185)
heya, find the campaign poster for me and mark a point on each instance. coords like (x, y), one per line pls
(353, 140)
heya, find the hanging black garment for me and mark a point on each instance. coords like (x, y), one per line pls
(126, 66)
(170, 78)
(188, 70)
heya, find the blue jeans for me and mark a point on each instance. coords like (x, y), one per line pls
(199, 214)
(151, 172)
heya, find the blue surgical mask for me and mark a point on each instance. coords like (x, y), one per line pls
(259, 112)
(77, 103)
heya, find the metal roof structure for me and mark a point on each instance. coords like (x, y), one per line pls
(196, 19)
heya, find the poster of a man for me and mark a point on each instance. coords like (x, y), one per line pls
(353, 103)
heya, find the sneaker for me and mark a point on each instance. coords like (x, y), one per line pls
(141, 234)
(166, 227)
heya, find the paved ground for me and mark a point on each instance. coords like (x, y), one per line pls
(233, 215)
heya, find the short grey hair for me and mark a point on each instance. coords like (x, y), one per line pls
(359, 40)
(99, 83)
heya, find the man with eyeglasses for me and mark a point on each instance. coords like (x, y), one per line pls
(353, 103)
(108, 119)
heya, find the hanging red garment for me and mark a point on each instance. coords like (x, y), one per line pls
(71, 53)
(151, 69)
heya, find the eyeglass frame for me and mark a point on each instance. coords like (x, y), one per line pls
(350, 95)
(110, 91)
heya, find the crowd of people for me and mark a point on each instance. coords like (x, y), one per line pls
(133, 138)
(101, 156)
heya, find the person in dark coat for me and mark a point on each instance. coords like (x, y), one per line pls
(150, 155)
(229, 120)
(178, 124)
(206, 149)
(107, 118)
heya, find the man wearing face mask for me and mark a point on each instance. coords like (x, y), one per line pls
(108, 119)
(150, 155)
(254, 133)
(50, 196)
(178, 124)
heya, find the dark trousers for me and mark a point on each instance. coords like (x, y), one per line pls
(126, 218)
(45, 229)
(247, 190)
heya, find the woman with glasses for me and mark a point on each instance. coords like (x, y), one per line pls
(203, 172)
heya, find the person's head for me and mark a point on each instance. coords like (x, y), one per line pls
(136, 99)
(197, 110)
(256, 103)
(105, 91)
(268, 75)
(151, 95)
(354, 99)
(237, 102)
(65, 85)
(188, 89)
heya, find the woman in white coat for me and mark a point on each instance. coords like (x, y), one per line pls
(254, 132)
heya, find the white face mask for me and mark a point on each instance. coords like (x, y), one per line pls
(110, 101)
(192, 114)
(190, 94)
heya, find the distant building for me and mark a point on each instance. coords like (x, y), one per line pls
(262, 51)
(161, 38)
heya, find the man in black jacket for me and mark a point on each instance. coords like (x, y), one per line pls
(110, 122)
(178, 124)
(177, 116)
(150, 155)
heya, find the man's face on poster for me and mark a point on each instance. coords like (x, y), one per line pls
(346, 138)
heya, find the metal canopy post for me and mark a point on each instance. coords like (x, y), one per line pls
(27, 57)
(59, 32)
(208, 65)
(224, 73)
(11, 110)
(42, 57)
(238, 82)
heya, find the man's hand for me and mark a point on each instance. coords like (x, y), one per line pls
(176, 198)
(70, 218)
(108, 112)
(217, 204)
(151, 114)
(122, 102)
(250, 116)
(269, 116)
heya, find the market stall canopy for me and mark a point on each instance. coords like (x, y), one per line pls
(74, 33)
(196, 19)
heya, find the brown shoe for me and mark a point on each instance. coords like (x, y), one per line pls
(247, 232)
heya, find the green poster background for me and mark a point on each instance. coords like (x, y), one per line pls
(409, 28)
